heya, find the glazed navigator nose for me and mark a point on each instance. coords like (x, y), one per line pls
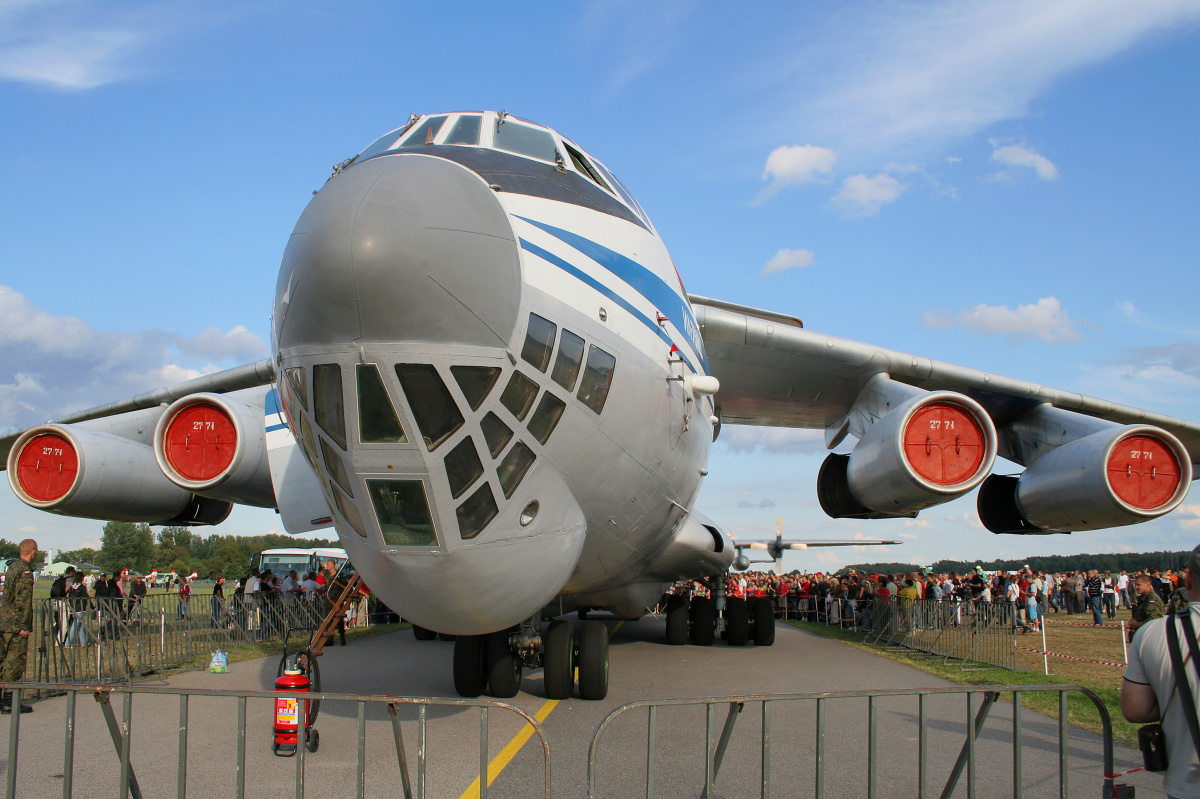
(404, 248)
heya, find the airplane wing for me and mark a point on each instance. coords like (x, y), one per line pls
(802, 544)
(184, 454)
(249, 375)
(929, 431)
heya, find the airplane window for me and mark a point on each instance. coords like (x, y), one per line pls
(539, 342)
(465, 130)
(431, 403)
(476, 382)
(424, 133)
(403, 512)
(584, 167)
(546, 417)
(327, 396)
(380, 145)
(496, 433)
(524, 140)
(335, 467)
(349, 511)
(307, 444)
(518, 395)
(463, 467)
(570, 356)
(474, 514)
(377, 422)
(296, 378)
(623, 191)
(513, 468)
(597, 377)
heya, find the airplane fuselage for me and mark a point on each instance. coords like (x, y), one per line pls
(487, 358)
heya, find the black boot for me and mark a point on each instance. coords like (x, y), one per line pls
(6, 704)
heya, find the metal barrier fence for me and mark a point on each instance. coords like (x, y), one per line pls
(121, 734)
(979, 702)
(969, 632)
(111, 640)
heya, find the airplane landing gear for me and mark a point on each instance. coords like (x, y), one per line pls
(738, 621)
(494, 663)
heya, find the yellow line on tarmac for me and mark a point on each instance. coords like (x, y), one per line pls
(501, 761)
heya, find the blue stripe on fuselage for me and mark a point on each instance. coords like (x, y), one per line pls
(603, 289)
(638, 277)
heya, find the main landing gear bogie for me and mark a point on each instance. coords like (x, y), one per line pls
(493, 664)
(740, 621)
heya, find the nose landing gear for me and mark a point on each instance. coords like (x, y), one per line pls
(494, 663)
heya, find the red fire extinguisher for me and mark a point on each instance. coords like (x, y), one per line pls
(288, 711)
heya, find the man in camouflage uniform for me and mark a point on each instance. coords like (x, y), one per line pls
(1147, 606)
(16, 621)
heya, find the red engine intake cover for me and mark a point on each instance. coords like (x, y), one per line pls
(47, 467)
(944, 444)
(200, 442)
(1143, 472)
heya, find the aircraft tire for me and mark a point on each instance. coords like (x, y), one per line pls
(677, 621)
(423, 634)
(763, 612)
(593, 661)
(704, 617)
(558, 648)
(503, 667)
(470, 677)
(737, 622)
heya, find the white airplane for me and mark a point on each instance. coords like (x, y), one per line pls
(488, 377)
(776, 546)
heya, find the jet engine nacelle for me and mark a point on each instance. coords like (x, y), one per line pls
(75, 471)
(215, 445)
(927, 450)
(1112, 478)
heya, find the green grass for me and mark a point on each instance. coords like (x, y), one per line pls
(256, 650)
(1081, 712)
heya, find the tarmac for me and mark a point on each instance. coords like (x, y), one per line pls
(643, 667)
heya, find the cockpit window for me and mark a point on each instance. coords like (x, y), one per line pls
(403, 512)
(622, 191)
(424, 133)
(597, 377)
(524, 140)
(539, 342)
(474, 514)
(436, 414)
(581, 163)
(327, 395)
(465, 130)
(377, 420)
(380, 145)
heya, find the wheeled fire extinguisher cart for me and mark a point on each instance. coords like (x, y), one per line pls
(295, 714)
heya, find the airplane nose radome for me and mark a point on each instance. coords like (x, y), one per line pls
(400, 248)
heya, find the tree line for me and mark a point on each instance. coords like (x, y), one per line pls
(126, 545)
(1108, 562)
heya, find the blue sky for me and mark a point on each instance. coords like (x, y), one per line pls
(1007, 185)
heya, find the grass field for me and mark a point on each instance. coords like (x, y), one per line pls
(1086, 642)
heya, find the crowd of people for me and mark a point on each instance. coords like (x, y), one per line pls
(1030, 594)
(258, 603)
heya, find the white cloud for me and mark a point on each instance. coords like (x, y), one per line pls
(742, 438)
(861, 195)
(787, 259)
(1188, 516)
(969, 519)
(630, 38)
(880, 74)
(793, 164)
(1044, 319)
(73, 44)
(52, 365)
(1026, 157)
(918, 522)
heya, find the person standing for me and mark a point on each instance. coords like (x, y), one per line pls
(1094, 588)
(1151, 689)
(16, 621)
(218, 600)
(1146, 607)
(185, 597)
